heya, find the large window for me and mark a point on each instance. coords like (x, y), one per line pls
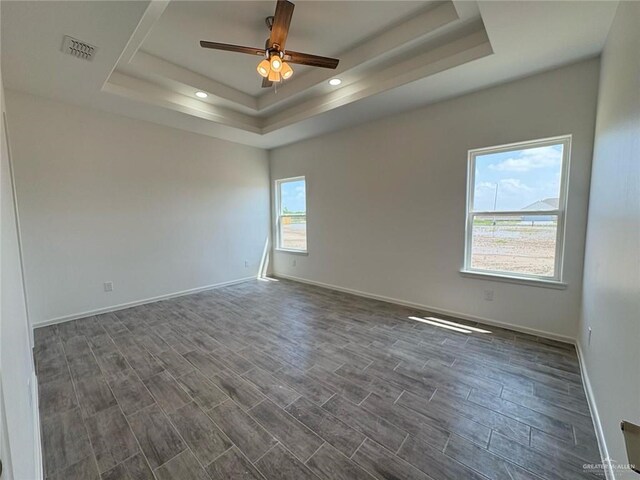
(291, 213)
(516, 203)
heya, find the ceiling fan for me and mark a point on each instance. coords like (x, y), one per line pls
(275, 66)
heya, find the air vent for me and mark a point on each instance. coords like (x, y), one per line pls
(79, 49)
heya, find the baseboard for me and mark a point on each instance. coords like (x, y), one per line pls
(595, 416)
(122, 306)
(428, 308)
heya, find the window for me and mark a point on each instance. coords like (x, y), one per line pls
(291, 213)
(516, 202)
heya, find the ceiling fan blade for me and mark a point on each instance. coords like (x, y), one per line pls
(232, 48)
(281, 22)
(266, 83)
(312, 60)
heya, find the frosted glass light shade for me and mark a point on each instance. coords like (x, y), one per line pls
(264, 67)
(276, 63)
(286, 71)
(274, 76)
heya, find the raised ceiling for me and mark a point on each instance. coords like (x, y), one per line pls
(394, 55)
(322, 28)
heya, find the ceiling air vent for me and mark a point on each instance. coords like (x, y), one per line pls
(79, 49)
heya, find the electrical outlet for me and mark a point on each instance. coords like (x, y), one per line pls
(108, 286)
(589, 339)
(246, 264)
(293, 262)
(488, 295)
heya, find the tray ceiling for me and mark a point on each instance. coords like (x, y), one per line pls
(321, 28)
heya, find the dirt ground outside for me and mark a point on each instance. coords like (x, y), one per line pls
(522, 248)
(294, 236)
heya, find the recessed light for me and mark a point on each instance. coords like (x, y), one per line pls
(201, 94)
(334, 82)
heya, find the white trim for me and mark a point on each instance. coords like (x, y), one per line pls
(427, 308)
(595, 417)
(135, 303)
(29, 327)
(548, 141)
(560, 212)
(532, 282)
(516, 213)
(14, 196)
(37, 441)
(289, 250)
(277, 184)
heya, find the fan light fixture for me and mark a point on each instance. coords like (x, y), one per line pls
(274, 69)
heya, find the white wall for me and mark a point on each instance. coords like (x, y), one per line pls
(611, 299)
(153, 209)
(386, 201)
(21, 437)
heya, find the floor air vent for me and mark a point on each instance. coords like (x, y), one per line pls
(79, 49)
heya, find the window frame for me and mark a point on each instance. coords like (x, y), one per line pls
(557, 280)
(278, 215)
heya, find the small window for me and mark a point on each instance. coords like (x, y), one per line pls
(516, 202)
(291, 212)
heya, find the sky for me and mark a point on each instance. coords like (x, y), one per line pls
(521, 177)
(292, 196)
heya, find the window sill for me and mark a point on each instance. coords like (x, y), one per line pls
(532, 282)
(295, 252)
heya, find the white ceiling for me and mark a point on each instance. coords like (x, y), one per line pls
(394, 56)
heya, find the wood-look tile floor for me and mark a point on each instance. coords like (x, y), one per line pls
(281, 380)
